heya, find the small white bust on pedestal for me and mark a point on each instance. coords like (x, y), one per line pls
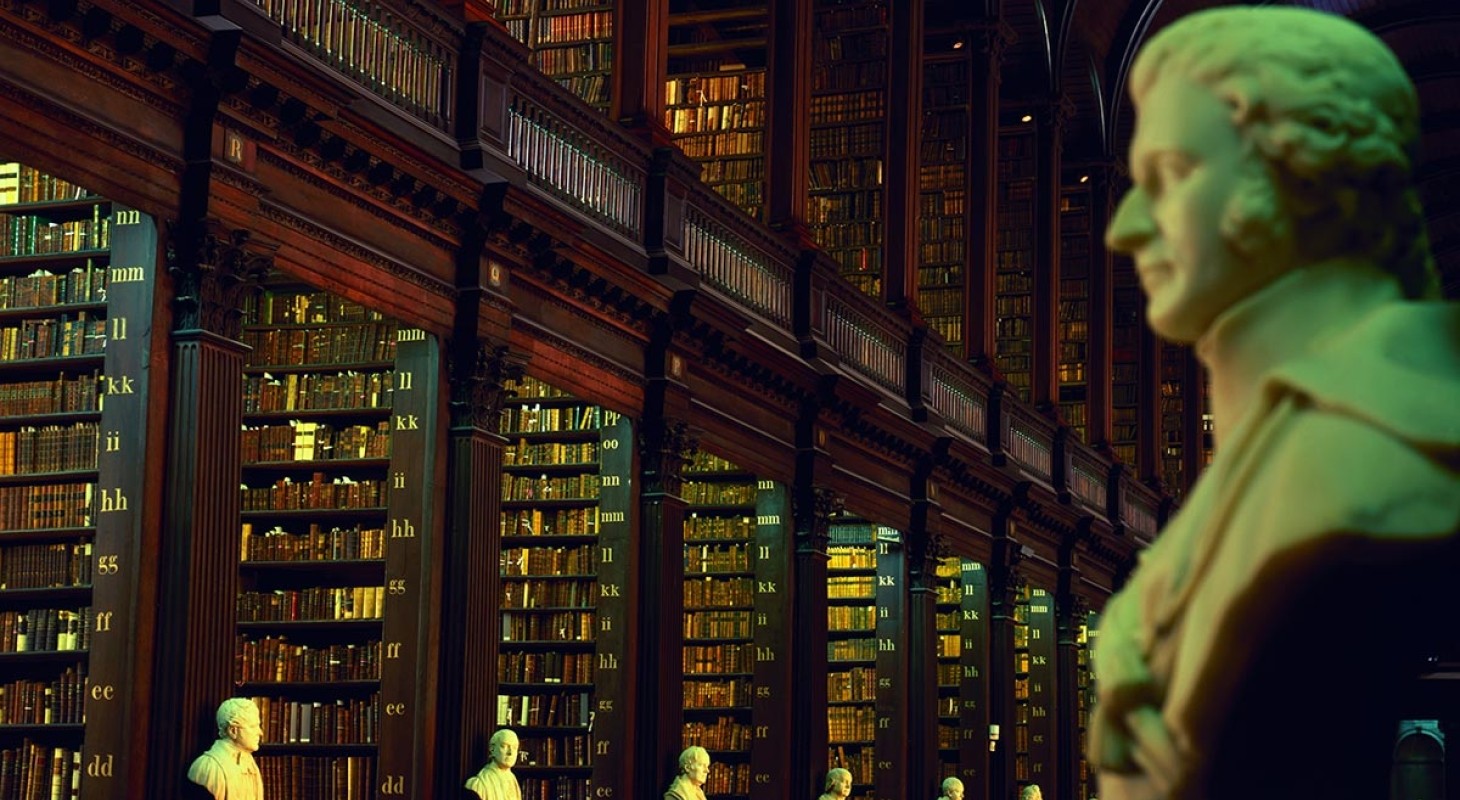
(227, 770)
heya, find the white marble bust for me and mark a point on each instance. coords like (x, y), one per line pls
(694, 770)
(495, 781)
(1274, 223)
(227, 769)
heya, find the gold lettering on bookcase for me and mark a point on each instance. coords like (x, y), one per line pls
(601, 748)
(395, 586)
(605, 555)
(609, 590)
(407, 422)
(395, 709)
(393, 785)
(117, 275)
(612, 480)
(122, 385)
(607, 661)
(102, 622)
(127, 217)
(107, 565)
(402, 529)
(605, 623)
(103, 691)
(404, 381)
(392, 649)
(410, 335)
(764, 553)
(99, 768)
(113, 500)
(765, 486)
(113, 441)
(398, 480)
(119, 329)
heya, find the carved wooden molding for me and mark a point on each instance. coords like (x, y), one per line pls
(213, 269)
(664, 448)
(478, 374)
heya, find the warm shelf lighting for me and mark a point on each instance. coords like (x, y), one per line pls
(1084, 179)
(957, 44)
(1026, 118)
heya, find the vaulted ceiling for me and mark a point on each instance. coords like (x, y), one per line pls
(1082, 49)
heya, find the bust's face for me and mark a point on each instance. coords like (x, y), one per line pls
(698, 771)
(1188, 161)
(246, 730)
(954, 790)
(504, 751)
(841, 785)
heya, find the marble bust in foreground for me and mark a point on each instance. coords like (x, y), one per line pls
(694, 770)
(227, 770)
(1261, 643)
(495, 781)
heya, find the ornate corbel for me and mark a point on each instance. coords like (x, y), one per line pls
(213, 269)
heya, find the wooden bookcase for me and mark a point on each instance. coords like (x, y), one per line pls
(1085, 700)
(963, 601)
(337, 450)
(565, 546)
(571, 42)
(1127, 325)
(1074, 307)
(77, 274)
(943, 197)
(848, 137)
(1173, 409)
(1034, 689)
(715, 98)
(1014, 270)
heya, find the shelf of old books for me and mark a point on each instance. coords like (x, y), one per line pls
(68, 487)
(715, 96)
(1074, 306)
(334, 447)
(719, 626)
(1014, 268)
(564, 545)
(1034, 687)
(1126, 326)
(864, 615)
(571, 42)
(1085, 638)
(943, 197)
(1173, 411)
(848, 137)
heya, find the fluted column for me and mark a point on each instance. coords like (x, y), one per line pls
(213, 269)
(991, 38)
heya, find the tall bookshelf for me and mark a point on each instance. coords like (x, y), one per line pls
(1034, 688)
(69, 491)
(864, 623)
(1173, 405)
(336, 449)
(571, 42)
(1085, 787)
(943, 196)
(732, 633)
(1014, 269)
(565, 543)
(1127, 324)
(1074, 306)
(848, 136)
(715, 97)
(962, 619)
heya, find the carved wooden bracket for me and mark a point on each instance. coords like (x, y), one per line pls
(213, 269)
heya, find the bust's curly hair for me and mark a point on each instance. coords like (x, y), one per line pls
(1334, 116)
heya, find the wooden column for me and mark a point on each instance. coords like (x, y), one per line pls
(1044, 383)
(212, 270)
(990, 38)
(666, 443)
(904, 157)
(788, 121)
(812, 507)
(470, 591)
(1149, 443)
(641, 52)
(924, 548)
(1070, 610)
(1004, 582)
(1100, 353)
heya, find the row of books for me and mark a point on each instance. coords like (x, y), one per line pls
(312, 391)
(316, 543)
(319, 492)
(32, 235)
(312, 603)
(729, 693)
(45, 630)
(551, 626)
(717, 659)
(52, 505)
(724, 733)
(547, 523)
(48, 448)
(723, 593)
(570, 750)
(550, 593)
(295, 777)
(724, 143)
(547, 667)
(40, 772)
(275, 659)
(571, 487)
(711, 118)
(718, 624)
(348, 344)
(536, 419)
(35, 566)
(305, 307)
(20, 183)
(717, 558)
(301, 440)
(68, 335)
(854, 685)
(45, 288)
(340, 721)
(61, 701)
(62, 395)
(731, 87)
(522, 453)
(566, 709)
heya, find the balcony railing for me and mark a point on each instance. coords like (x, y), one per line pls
(1030, 442)
(1138, 511)
(875, 350)
(1085, 476)
(956, 398)
(733, 265)
(378, 49)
